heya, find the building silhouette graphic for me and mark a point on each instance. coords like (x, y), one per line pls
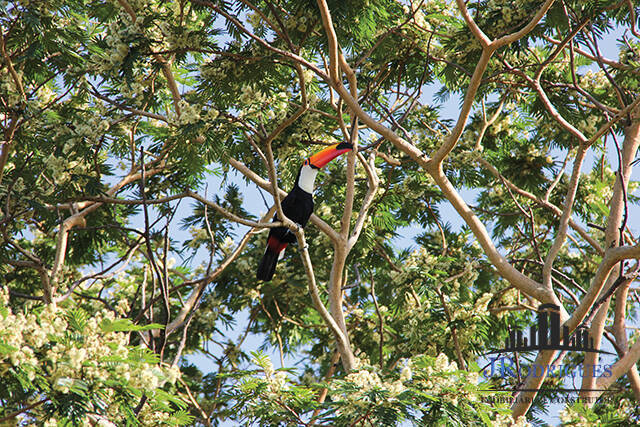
(546, 336)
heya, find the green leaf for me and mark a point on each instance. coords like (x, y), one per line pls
(180, 418)
(126, 325)
(7, 349)
(77, 319)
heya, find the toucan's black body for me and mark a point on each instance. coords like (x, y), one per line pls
(297, 206)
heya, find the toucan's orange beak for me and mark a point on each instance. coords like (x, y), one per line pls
(321, 158)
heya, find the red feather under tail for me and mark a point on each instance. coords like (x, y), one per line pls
(269, 260)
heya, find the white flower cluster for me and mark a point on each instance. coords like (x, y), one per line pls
(406, 374)
(134, 90)
(480, 306)
(429, 6)
(594, 81)
(127, 284)
(570, 415)
(508, 298)
(45, 95)
(117, 39)
(365, 386)
(419, 19)
(217, 69)
(505, 420)
(153, 417)
(308, 76)
(198, 233)
(443, 365)
(462, 49)
(8, 88)
(40, 344)
(505, 123)
(468, 311)
(300, 22)
(366, 379)
(82, 132)
(587, 126)
(254, 103)
(122, 307)
(211, 115)
(189, 113)
(440, 377)
(277, 381)
(513, 12)
(227, 244)
(180, 40)
(60, 169)
(443, 377)
(254, 294)
(137, 5)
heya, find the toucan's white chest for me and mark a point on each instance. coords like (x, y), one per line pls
(307, 178)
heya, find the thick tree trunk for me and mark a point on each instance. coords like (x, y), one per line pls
(612, 239)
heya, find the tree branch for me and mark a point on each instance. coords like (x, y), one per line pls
(344, 348)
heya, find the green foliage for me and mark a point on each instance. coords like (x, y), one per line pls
(126, 325)
(428, 391)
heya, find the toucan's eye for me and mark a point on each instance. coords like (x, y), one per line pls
(306, 162)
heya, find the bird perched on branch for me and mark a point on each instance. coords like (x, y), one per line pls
(297, 206)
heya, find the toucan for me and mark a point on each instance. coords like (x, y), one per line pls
(297, 206)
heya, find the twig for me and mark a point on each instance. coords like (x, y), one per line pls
(380, 321)
(454, 333)
(23, 410)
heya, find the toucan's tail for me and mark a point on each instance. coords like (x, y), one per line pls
(267, 266)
